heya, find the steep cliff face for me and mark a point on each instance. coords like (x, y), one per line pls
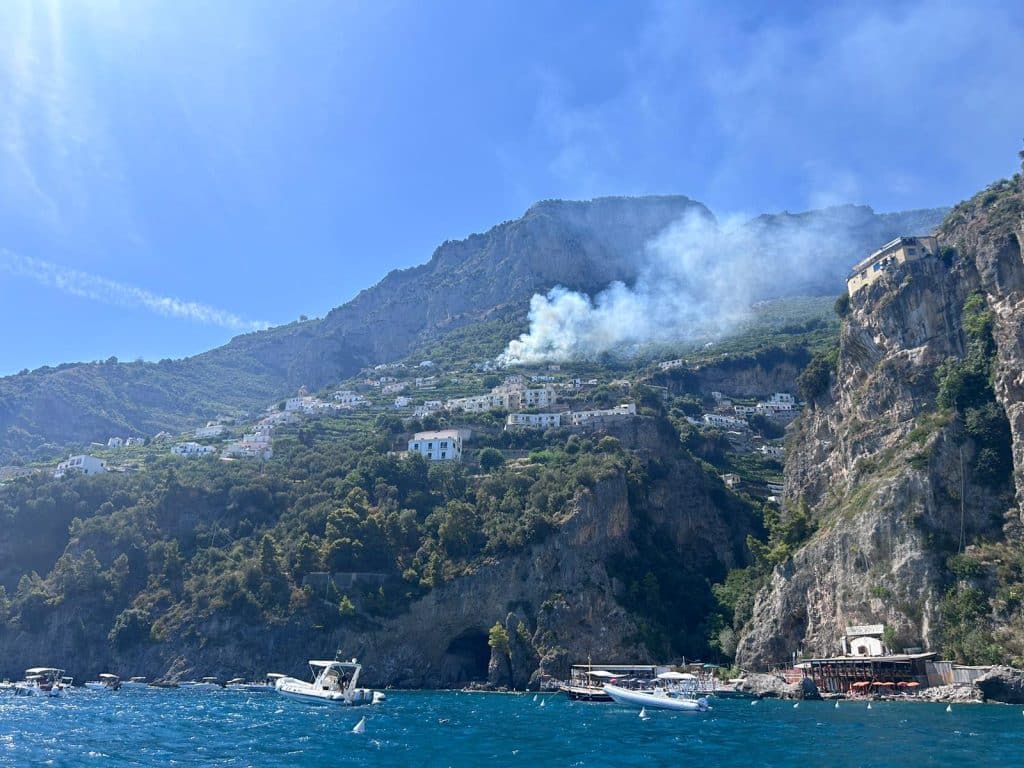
(890, 460)
(754, 376)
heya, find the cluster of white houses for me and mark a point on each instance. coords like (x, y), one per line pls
(125, 442)
(503, 398)
(192, 449)
(568, 418)
(781, 406)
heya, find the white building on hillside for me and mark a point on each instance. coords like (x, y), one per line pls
(297, 403)
(402, 401)
(192, 449)
(534, 420)
(81, 465)
(115, 442)
(258, 436)
(445, 445)
(428, 408)
(578, 418)
(724, 422)
(532, 398)
(348, 398)
(279, 417)
(479, 403)
(248, 450)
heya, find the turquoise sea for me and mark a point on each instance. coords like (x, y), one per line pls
(226, 728)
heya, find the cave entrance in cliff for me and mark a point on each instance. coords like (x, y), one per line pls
(470, 654)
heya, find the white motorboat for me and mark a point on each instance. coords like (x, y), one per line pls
(269, 683)
(40, 681)
(134, 682)
(107, 682)
(205, 684)
(657, 698)
(586, 681)
(333, 682)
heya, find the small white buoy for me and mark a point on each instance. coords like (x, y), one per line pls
(837, 705)
(949, 707)
(360, 727)
(755, 701)
(869, 705)
(643, 713)
(542, 702)
(797, 705)
(535, 697)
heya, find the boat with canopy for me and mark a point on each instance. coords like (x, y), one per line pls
(107, 682)
(40, 681)
(670, 690)
(334, 682)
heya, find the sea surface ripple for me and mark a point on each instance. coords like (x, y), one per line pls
(227, 728)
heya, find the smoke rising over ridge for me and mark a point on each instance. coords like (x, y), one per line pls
(698, 282)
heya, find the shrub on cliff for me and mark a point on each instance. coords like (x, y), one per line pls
(814, 381)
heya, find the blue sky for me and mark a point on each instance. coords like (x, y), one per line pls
(173, 173)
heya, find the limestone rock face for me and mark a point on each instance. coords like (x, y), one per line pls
(888, 477)
(803, 689)
(765, 686)
(1004, 684)
(953, 694)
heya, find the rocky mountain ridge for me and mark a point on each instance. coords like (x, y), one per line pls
(487, 277)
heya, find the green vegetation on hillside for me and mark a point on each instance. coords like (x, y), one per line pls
(154, 555)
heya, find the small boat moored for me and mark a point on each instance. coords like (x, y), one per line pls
(333, 682)
(107, 682)
(40, 681)
(670, 690)
(134, 682)
(656, 699)
(269, 683)
(586, 681)
(205, 684)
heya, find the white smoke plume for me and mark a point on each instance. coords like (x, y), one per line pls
(106, 291)
(698, 283)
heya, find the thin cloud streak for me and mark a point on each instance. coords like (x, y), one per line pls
(106, 291)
